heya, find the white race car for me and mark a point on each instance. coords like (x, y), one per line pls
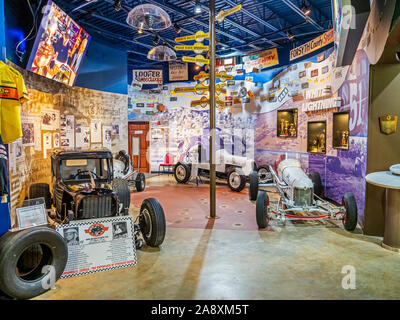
(235, 169)
(123, 169)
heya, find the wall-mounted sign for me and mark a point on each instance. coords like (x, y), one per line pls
(140, 105)
(199, 36)
(150, 105)
(149, 112)
(230, 83)
(148, 76)
(199, 60)
(261, 60)
(388, 124)
(197, 48)
(312, 45)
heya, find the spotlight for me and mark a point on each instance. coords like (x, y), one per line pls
(155, 40)
(305, 9)
(140, 30)
(197, 67)
(117, 5)
(177, 28)
(290, 35)
(197, 8)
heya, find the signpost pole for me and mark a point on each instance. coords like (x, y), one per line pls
(212, 111)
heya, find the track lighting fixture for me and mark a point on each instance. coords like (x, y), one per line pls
(117, 5)
(197, 8)
(155, 40)
(177, 28)
(305, 8)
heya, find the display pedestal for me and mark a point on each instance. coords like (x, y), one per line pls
(391, 182)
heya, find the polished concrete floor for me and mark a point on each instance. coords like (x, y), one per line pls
(296, 261)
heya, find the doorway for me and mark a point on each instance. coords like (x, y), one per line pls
(139, 145)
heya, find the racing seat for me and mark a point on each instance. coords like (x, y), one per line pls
(168, 165)
(124, 157)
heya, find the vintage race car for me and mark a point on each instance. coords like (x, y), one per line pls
(83, 188)
(124, 170)
(235, 169)
(299, 193)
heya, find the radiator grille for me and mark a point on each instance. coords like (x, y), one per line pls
(96, 207)
(303, 197)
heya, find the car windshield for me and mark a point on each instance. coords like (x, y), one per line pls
(80, 169)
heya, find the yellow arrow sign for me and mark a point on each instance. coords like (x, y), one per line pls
(203, 102)
(201, 76)
(197, 48)
(222, 14)
(199, 60)
(221, 76)
(199, 36)
(199, 89)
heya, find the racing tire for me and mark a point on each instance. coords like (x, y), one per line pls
(236, 180)
(316, 180)
(152, 222)
(121, 188)
(350, 217)
(39, 190)
(253, 189)
(264, 173)
(18, 282)
(140, 182)
(262, 204)
(182, 172)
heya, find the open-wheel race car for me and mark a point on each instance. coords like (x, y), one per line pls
(299, 193)
(234, 169)
(83, 188)
(124, 170)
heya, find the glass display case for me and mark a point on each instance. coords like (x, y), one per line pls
(287, 123)
(341, 130)
(316, 137)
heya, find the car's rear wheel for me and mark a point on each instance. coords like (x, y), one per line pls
(262, 204)
(236, 180)
(253, 189)
(152, 222)
(140, 182)
(181, 172)
(41, 190)
(121, 188)
(30, 260)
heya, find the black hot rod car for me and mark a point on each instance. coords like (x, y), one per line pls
(83, 187)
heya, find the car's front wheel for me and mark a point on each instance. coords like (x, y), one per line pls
(152, 222)
(140, 182)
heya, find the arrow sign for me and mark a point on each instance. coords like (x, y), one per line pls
(197, 48)
(199, 60)
(222, 14)
(199, 36)
(223, 76)
(201, 76)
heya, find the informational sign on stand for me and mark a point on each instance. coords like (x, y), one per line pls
(98, 245)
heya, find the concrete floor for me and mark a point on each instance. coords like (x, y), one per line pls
(296, 261)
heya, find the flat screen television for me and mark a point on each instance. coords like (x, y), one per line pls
(59, 47)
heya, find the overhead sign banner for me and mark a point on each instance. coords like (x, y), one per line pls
(154, 76)
(178, 71)
(312, 45)
(199, 36)
(222, 14)
(261, 60)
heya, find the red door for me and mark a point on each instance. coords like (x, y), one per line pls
(139, 145)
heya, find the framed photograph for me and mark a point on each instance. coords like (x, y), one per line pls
(314, 73)
(302, 74)
(325, 69)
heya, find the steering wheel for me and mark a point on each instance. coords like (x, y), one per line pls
(85, 171)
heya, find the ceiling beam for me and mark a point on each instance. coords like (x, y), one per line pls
(296, 9)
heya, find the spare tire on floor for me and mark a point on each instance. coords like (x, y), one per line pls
(182, 172)
(140, 182)
(152, 222)
(30, 260)
(121, 188)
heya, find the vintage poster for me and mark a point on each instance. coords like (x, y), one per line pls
(28, 130)
(107, 131)
(178, 71)
(115, 129)
(98, 245)
(67, 128)
(261, 60)
(56, 140)
(50, 120)
(82, 137)
(95, 128)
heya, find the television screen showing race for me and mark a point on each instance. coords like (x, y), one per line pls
(59, 47)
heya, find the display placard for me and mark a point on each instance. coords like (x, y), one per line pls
(98, 245)
(32, 214)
